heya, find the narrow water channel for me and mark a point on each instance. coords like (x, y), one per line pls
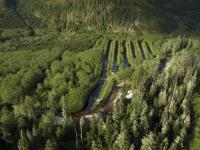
(116, 51)
(141, 49)
(93, 96)
(148, 48)
(132, 49)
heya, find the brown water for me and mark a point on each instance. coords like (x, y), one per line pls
(107, 108)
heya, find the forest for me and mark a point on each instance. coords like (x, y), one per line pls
(99, 75)
(115, 15)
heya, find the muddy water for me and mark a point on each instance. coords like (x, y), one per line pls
(107, 108)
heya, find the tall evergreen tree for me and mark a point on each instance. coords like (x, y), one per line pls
(23, 143)
(50, 145)
(122, 141)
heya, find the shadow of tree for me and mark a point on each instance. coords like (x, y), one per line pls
(10, 3)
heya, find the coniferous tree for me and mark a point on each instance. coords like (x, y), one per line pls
(82, 120)
(122, 141)
(149, 142)
(50, 145)
(23, 143)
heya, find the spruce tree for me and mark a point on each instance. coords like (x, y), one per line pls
(23, 143)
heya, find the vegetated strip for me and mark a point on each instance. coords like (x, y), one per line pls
(137, 50)
(147, 54)
(105, 92)
(120, 56)
(129, 53)
(126, 63)
(110, 57)
(106, 58)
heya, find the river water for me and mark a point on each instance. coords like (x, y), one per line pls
(94, 95)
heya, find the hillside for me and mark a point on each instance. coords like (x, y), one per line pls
(154, 15)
